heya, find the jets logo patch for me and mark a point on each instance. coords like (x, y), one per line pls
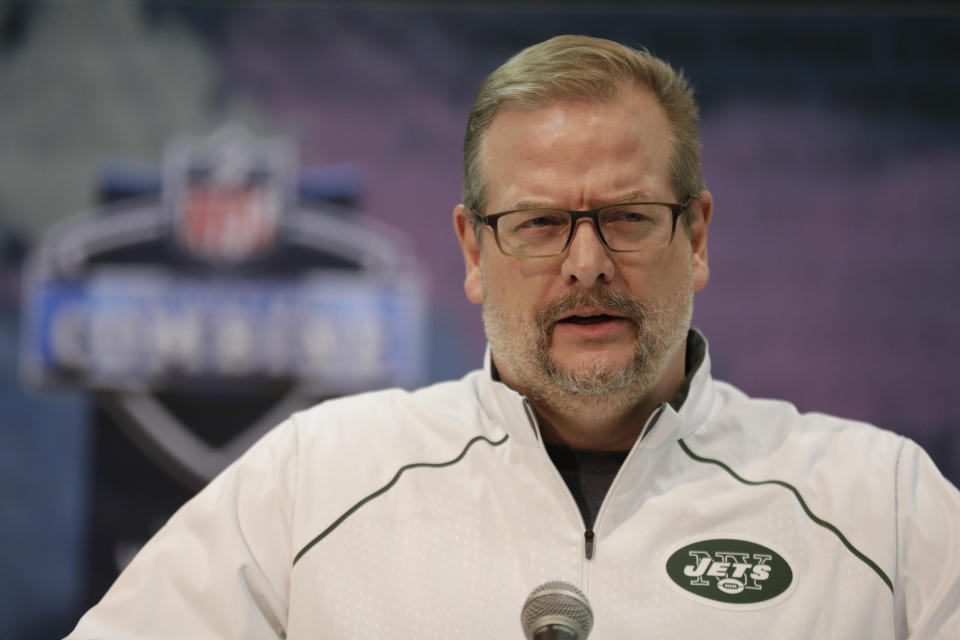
(729, 571)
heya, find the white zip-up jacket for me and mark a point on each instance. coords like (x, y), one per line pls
(433, 514)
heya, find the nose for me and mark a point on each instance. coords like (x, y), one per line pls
(587, 261)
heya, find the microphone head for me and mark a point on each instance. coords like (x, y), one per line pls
(557, 603)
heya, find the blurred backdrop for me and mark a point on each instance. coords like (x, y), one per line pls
(212, 214)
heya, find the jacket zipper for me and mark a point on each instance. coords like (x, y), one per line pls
(589, 537)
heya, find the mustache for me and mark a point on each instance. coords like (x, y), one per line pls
(610, 301)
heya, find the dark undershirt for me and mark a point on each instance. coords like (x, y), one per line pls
(589, 474)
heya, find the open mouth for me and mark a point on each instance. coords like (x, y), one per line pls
(597, 319)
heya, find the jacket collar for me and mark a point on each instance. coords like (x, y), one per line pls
(505, 407)
(700, 395)
(694, 407)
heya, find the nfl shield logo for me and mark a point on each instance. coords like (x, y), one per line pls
(227, 193)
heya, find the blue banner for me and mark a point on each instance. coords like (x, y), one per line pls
(149, 330)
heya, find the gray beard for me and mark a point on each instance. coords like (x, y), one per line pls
(524, 350)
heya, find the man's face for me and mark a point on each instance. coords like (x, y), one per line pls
(588, 322)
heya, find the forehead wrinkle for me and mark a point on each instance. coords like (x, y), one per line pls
(634, 195)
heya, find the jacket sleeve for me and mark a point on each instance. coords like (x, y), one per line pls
(927, 590)
(220, 567)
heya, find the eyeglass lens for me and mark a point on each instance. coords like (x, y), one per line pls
(544, 232)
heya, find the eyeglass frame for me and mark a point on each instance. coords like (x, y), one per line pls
(676, 209)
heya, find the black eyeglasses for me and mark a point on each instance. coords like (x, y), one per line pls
(624, 228)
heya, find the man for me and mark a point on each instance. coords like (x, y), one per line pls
(681, 507)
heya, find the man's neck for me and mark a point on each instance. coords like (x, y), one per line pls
(589, 427)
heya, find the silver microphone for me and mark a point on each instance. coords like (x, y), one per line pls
(556, 610)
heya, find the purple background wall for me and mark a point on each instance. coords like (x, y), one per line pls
(833, 168)
(830, 143)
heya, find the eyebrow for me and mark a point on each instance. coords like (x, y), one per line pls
(529, 204)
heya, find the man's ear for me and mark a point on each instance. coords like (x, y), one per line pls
(473, 284)
(702, 212)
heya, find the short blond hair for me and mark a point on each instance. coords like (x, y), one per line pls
(581, 68)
